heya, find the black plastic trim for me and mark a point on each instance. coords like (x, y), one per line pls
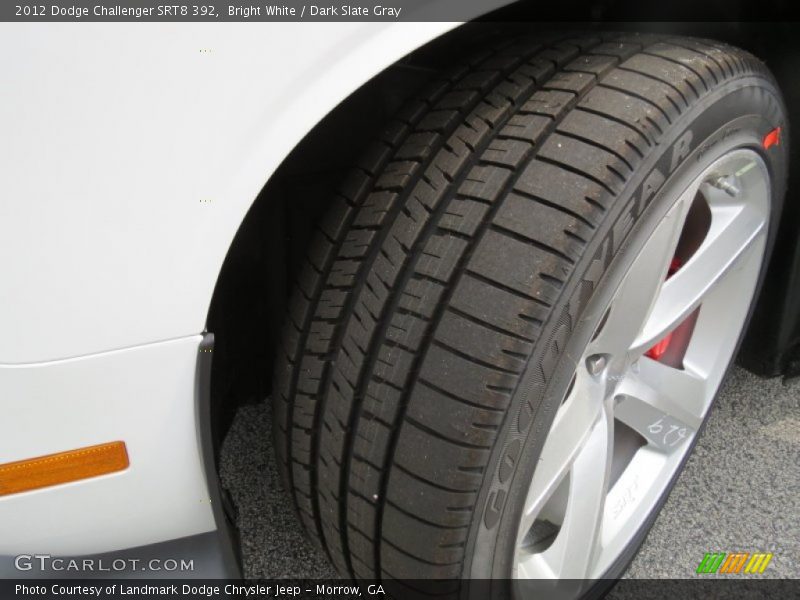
(227, 533)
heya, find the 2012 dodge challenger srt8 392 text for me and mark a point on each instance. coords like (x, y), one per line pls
(490, 277)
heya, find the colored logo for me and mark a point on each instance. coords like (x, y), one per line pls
(735, 562)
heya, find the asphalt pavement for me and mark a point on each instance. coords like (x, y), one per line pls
(740, 491)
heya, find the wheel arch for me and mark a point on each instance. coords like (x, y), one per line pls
(248, 305)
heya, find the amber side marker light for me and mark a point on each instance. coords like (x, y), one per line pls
(63, 467)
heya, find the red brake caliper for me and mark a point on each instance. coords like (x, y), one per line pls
(657, 351)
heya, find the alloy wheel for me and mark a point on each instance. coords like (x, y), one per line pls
(646, 381)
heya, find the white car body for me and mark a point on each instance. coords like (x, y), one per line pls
(130, 155)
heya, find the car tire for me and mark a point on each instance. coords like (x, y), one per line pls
(450, 300)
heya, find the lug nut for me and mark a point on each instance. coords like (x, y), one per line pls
(596, 363)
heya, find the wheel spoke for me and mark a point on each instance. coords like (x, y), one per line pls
(721, 317)
(577, 545)
(571, 428)
(642, 283)
(663, 404)
(732, 233)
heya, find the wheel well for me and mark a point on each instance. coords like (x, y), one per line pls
(249, 303)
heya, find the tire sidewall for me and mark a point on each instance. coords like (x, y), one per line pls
(735, 115)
